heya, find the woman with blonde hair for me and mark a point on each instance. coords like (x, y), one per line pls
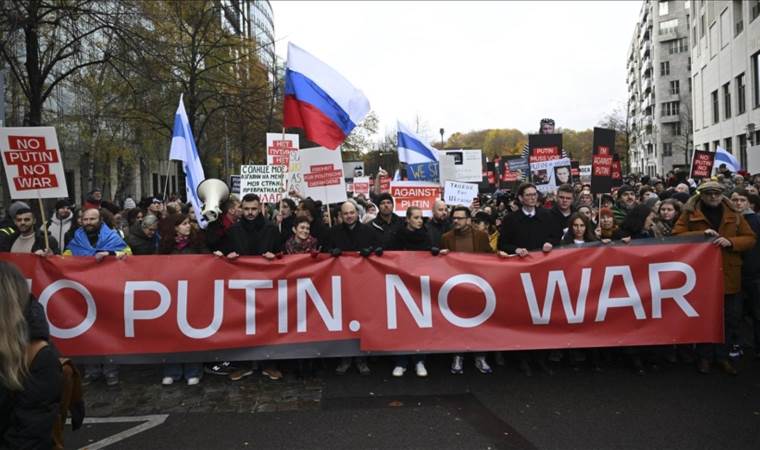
(30, 372)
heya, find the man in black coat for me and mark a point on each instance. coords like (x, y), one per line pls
(352, 235)
(252, 235)
(23, 238)
(563, 208)
(439, 224)
(387, 223)
(142, 237)
(529, 228)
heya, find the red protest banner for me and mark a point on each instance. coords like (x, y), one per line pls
(588, 297)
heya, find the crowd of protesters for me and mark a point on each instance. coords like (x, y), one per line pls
(505, 224)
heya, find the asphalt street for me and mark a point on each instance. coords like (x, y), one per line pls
(671, 408)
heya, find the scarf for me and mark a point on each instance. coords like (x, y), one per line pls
(293, 245)
(181, 241)
(108, 241)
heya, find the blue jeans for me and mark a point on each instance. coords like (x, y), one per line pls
(186, 371)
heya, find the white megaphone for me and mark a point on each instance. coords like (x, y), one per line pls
(212, 192)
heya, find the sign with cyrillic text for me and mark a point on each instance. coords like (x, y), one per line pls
(268, 182)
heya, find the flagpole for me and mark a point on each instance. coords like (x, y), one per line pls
(44, 222)
(166, 184)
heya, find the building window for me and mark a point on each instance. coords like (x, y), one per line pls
(667, 149)
(677, 129)
(678, 46)
(727, 101)
(668, 26)
(669, 108)
(756, 80)
(674, 87)
(728, 144)
(754, 10)
(742, 149)
(741, 99)
(689, 84)
(738, 17)
(715, 111)
(665, 68)
(702, 26)
(664, 8)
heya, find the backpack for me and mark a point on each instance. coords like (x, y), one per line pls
(71, 393)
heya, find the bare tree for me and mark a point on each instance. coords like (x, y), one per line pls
(44, 42)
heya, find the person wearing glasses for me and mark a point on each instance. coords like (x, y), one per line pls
(711, 214)
(530, 228)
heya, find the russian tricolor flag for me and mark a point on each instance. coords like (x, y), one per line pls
(319, 100)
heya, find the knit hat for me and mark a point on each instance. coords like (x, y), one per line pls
(62, 204)
(606, 212)
(16, 207)
(384, 196)
(129, 203)
(625, 188)
(710, 186)
(682, 197)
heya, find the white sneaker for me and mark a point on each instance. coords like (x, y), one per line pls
(420, 369)
(482, 365)
(399, 371)
(456, 365)
(192, 381)
(167, 381)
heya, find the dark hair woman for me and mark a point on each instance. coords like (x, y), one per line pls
(580, 230)
(179, 237)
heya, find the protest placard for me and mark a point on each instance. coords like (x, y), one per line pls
(235, 184)
(548, 175)
(702, 164)
(279, 148)
(361, 186)
(460, 165)
(319, 174)
(601, 161)
(456, 193)
(33, 164)
(353, 169)
(421, 194)
(542, 148)
(268, 182)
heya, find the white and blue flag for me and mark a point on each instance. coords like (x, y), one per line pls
(412, 149)
(724, 157)
(183, 149)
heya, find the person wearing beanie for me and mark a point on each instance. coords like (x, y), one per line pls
(711, 214)
(387, 223)
(60, 223)
(626, 201)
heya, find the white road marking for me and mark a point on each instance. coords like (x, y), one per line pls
(150, 421)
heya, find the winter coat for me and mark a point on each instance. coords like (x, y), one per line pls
(256, 237)
(480, 241)
(139, 242)
(59, 227)
(751, 258)
(352, 239)
(407, 239)
(385, 233)
(733, 227)
(521, 231)
(27, 416)
(8, 237)
(437, 229)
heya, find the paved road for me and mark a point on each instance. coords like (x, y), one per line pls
(675, 408)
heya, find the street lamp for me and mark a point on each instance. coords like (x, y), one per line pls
(441, 131)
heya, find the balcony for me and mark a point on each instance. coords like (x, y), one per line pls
(646, 103)
(647, 122)
(645, 49)
(670, 119)
(646, 85)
